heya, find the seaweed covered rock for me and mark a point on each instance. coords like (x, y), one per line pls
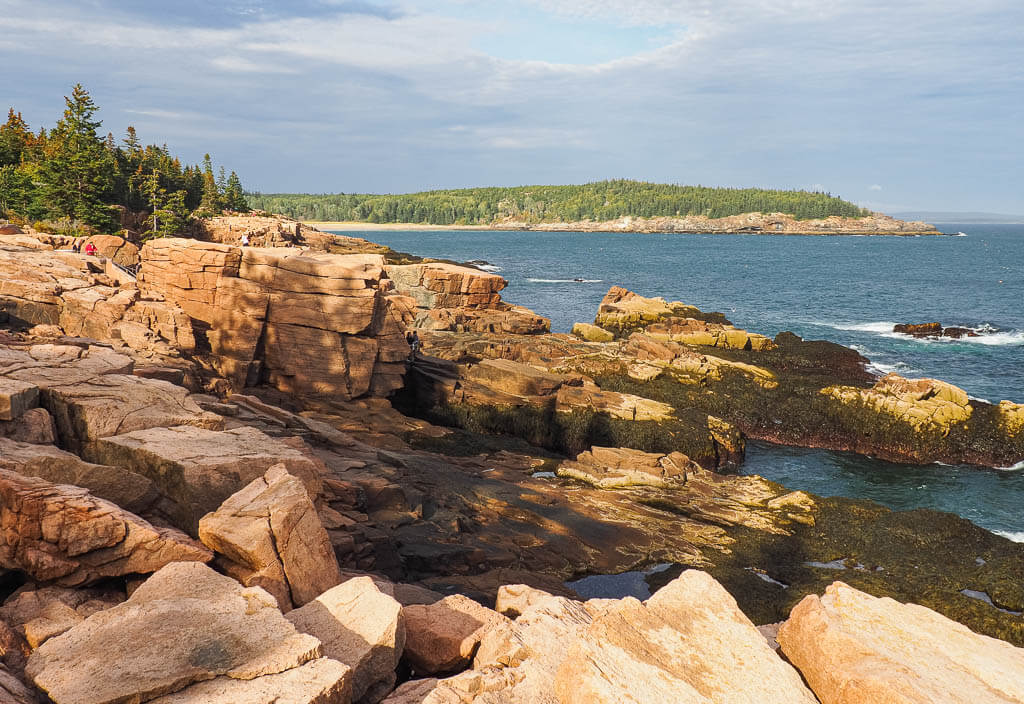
(853, 648)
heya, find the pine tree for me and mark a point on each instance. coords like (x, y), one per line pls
(211, 203)
(234, 196)
(15, 138)
(78, 173)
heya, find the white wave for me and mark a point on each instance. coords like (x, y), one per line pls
(976, 398)
(487, 267)
(880, 327)
(1013, 468)
(565, 281)
(1016, 536)
(961, 234)
(1009, 337)
(987, 334)
(901, 368)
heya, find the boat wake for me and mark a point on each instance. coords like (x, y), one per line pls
(565, 281)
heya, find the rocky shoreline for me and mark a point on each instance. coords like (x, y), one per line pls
(223, 480)
(748, 223)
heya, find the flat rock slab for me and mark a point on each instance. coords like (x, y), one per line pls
(320, 681)
(16, 397)
(360, 626)
(270, 536)
(853, 648)
(61, 365)
(129, 490)
(185, 624)
(64, 534)
(198, 469)
(114, 404)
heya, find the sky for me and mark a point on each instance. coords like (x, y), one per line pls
(909, 105)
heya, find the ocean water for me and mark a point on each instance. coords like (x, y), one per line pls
(850, 290)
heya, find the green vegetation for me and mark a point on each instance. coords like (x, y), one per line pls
(71, 180)
(605, 200)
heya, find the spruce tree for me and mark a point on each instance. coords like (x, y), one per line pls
(14, 139)
(78, 172)
(234, 196)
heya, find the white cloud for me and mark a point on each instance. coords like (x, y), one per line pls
(874, 187)
(239, 64)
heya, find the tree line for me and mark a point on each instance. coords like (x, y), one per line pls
(600, 201)
(72, 180)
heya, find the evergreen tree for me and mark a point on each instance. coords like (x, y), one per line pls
(78, 171)
(15, 138)
(234, 196)
(211, 203)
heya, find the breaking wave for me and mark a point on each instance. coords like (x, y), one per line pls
(565, 281)
(1015, 536)
(987, 334)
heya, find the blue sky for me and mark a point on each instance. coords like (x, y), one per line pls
(897, 106)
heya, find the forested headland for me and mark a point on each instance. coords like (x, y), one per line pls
(600, 201)
(73, 180)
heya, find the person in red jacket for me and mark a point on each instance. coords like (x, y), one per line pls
(90, 249)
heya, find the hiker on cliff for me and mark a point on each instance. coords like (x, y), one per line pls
(414, 344)
(245, 240)
(90, 250)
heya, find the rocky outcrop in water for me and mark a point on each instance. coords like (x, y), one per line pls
(933, 330)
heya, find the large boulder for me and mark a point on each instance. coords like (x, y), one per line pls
(116, 248)
(186, 624)
(443, 636)
(64, 534)
(687, 643)
(196, 469)
(360, 626)
(270, 536)
(853, 648)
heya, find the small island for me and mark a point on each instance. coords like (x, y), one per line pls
(603, 206)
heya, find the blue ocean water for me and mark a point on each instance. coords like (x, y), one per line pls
(849, 290)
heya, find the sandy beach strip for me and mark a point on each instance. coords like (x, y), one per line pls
(376, 226)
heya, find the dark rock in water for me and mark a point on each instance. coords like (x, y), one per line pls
(919, 329)
(933, 330)
(958, 333)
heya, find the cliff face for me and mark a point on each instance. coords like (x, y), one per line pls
(307, 322)
(748, 223)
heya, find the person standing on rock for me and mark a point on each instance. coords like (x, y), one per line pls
(245, 240)
(414, 344)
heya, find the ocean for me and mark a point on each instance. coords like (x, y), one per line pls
(846, 289)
